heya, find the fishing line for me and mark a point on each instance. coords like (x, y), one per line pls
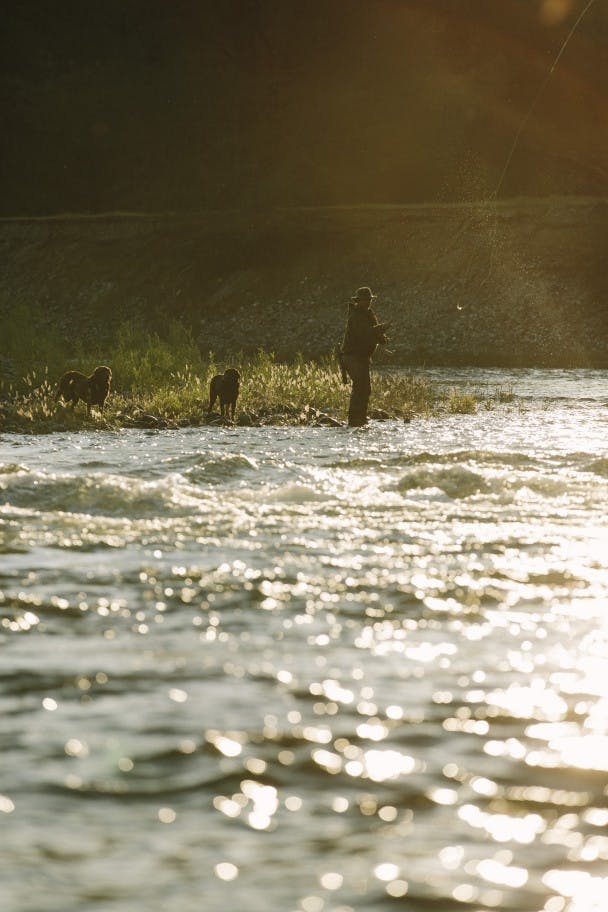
(492, 238)
(538, 95)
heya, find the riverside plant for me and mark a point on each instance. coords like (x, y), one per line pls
(461, 402)
(166, 382)
(278, 392)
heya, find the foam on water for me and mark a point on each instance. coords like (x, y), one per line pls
(455, 481)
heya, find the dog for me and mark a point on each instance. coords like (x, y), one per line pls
(94, 390)
(226, 387)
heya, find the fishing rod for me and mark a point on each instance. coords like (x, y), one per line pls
(460, 306)
(536, 98)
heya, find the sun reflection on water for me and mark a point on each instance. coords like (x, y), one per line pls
(578, 890)
(354, 684)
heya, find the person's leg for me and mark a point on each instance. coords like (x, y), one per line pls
(358, 371)
(357, 413)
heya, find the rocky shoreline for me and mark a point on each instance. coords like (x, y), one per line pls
(264, 417)
(11, 422)
(514, 283)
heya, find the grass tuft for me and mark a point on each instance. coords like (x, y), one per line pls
(160, 381)
(461, 402)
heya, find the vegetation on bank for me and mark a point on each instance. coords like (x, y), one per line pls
(164, 382)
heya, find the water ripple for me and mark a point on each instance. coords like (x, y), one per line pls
(314, 671)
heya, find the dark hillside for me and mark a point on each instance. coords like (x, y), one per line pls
(516, 283)
(181, 105)
(296, 149)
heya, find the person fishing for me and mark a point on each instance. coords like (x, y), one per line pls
(362, 336)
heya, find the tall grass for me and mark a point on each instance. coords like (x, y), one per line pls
(166, 376)
(461, 402)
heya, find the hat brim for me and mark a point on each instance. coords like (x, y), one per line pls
(357, 300)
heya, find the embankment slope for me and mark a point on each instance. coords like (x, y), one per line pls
(521, 282)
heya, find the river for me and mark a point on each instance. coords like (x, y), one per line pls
(314, 669)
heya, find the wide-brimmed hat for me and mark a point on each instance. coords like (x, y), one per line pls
(363, 295)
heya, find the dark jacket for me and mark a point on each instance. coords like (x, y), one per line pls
(363, 332)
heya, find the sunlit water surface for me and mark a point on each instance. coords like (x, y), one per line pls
(324, 670)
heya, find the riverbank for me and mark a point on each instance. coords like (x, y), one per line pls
(272, 392)
(514, 283)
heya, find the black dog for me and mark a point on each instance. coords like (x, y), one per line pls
(225, 387)
(94, 390)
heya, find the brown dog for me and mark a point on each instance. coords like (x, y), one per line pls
(226, 387)
(93, 390)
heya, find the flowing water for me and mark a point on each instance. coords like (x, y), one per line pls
(319, 669)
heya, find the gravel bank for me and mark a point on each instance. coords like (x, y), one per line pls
(517, 283)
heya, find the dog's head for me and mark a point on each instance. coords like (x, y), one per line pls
(102, 373)
(232, 375)
(99, 383)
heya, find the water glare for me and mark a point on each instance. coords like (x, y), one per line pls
(308, 669)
